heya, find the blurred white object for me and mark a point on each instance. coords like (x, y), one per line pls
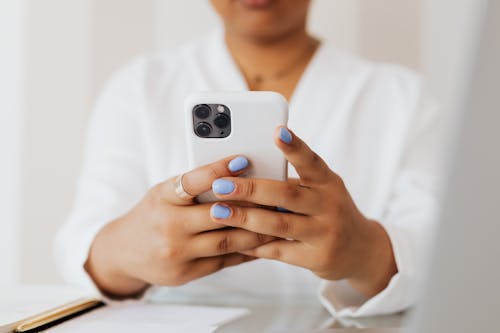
(462, 293)
(12, 56)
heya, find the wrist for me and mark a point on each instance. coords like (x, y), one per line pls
(374, 262)
(103, 266)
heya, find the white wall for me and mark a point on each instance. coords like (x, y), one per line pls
(447, 36)
(57, 98)
(332, 20)
(73, 47)
(337, 21)
(389, 30)
(12, 42)
(71, 52)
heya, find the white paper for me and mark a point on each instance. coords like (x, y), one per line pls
(140, 317)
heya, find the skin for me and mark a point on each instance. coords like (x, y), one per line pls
(165, 240)
(267, 40)
(324, 231)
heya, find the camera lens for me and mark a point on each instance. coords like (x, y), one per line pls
(221, 120)
(203, 129)
(202, 111)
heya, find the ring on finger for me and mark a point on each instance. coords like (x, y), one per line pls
(180, 191)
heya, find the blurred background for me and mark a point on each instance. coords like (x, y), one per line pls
(55, 56)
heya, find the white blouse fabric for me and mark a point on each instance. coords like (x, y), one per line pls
(372, 123)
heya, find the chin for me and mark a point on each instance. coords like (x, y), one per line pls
(256, 4)
(264, 20)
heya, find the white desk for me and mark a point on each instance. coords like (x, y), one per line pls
(287, 315)
(266, 315)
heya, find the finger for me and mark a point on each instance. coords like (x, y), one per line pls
(264, 221)
(289, 195)
(205, 266)
(199, 180)
(290, 252)
(219, 242)
(309, 166)
(196, 219)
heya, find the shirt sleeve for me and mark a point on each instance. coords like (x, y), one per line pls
(113, 176)
(408, 219)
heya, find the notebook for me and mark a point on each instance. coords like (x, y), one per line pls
(20, 305)
(23, 309)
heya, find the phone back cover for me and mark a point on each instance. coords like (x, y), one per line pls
(254, 119)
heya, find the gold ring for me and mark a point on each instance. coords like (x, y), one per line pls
(180, 191)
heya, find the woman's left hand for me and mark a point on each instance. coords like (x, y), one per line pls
(323, 231)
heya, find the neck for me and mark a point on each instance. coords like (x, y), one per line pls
(256, 57)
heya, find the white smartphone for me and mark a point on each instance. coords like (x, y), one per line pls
(220, 124)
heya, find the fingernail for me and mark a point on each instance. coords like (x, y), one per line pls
(238, 164)
(282, 210)
(222, 186)
(220, 211)
(285, 135)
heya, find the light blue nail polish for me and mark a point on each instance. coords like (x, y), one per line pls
(285, 135)
(223, 186)
(220, 211)
(238, 164)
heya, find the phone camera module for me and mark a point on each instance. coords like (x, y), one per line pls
(202, 111)
(221, 121)
(203, 129)
(211, 121)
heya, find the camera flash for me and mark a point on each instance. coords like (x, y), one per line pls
(220, 108)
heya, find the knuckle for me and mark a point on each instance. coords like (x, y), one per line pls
(332, 234)
(241, 217)
(275, 253)
(159, 193)
(223, 245)
(261, 238)
(165, 220)
(292, 192)
(320, 167)
(325, 172)
(337, 182)
(315, 159)
(187, 182)
(153, 198)
(283, 226)
(169, 253)
(248, 188)
(215, 172)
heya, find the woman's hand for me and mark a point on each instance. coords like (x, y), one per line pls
(324, 230)
(167, 240)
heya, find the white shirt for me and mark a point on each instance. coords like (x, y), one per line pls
(372, 124)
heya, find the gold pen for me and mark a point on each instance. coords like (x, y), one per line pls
(60, 313)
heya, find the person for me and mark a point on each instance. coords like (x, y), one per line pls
(364, 140)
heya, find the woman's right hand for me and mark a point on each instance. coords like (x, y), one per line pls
(166, 240)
